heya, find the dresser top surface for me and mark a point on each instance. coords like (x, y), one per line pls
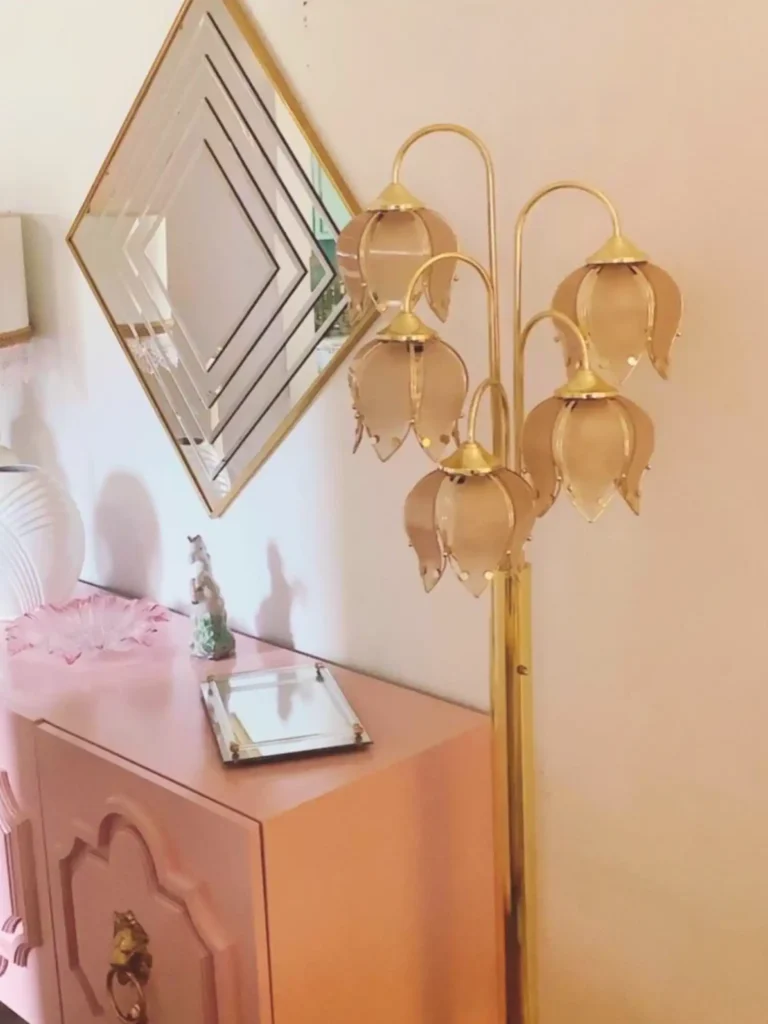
(146, 708)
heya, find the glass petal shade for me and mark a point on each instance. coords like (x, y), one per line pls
(566, 300)
(523, 499)
(380, 381)
(420, 525)
(393, 247)
(642, 444)
(348, 261)
(444, 382)
(615, 311)
(440, 277)
(538, 453)
(592, 444)
(379, 252)
(475, 521)
(668, 312)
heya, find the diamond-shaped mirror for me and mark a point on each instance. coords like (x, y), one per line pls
(209, 239)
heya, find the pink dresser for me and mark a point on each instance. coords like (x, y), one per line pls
(334, 890)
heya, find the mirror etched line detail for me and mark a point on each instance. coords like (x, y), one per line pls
(209, 239)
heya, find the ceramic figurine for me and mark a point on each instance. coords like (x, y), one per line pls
(211, 638)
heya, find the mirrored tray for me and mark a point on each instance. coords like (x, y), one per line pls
(279, 713)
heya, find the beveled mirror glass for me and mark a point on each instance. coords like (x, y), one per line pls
(209, 239)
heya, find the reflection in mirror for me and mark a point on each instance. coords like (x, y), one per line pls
(277, 713)
(210, 241)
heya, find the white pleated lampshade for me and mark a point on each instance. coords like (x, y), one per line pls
(14, 312)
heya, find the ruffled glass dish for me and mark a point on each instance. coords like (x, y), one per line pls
(87, 626)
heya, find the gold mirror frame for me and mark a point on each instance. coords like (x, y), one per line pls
(252, 36)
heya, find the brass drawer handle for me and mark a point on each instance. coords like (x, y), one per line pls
(130, 964)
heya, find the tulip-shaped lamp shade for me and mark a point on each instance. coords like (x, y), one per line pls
(408, 377)
(625, 307)
(379, 251)
(473, 513)
(595, 443)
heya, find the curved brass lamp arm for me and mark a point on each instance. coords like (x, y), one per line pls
(559, 318)
(490, 185)
(474, 407)
(519, 365)
(500, 416)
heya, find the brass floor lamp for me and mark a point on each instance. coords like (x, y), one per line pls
(473, 511)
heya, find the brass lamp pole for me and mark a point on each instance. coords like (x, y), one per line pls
(475, 513)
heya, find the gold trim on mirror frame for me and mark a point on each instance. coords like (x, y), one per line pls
(8, 338)
(258, 44)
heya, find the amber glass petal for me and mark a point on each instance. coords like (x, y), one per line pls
(444, 385)
(440, 278)
(475, 520)
(380, 381)
(348, 259)
(642, 435)
(523, 499)
(615, 306)
(592, 444)
(566, 301)
(421, 527)
(668, 312)
(391, 252)
(538, 453)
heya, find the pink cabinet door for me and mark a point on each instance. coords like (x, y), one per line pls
(121, 840)
(27, 962)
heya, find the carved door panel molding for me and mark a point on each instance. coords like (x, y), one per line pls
(120, 840)
(208, 948)
(21, 931)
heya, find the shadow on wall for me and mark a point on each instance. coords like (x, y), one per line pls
(31, 437)
(273, 619)
(127, 536)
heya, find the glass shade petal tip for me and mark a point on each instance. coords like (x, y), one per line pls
(420, 516)
(395, 197)
(380, 379)
(538, 453)
(617, 249)
(641, 448)
(439, 279)
(668, 315)
(444, 386)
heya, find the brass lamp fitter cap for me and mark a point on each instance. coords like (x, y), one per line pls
(470, 459)
(586, 384)
(406, 327)
(617, 249)
(395, 197)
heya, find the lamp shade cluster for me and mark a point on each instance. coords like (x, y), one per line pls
(473, 512)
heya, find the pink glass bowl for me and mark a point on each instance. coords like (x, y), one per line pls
(87, 626)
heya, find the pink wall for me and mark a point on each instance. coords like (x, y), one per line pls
(649, 644)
